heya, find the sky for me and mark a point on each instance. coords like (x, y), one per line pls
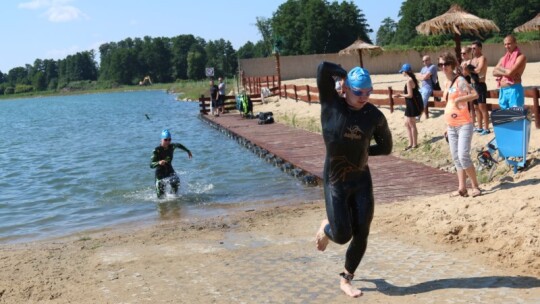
(54, 29)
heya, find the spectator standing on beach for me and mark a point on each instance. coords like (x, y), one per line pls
(221, 97)
(457, 93)
(213, 97)
(466, 53)
(478, 72)
(508, 75)
(413, 105)
(348, 125)
(429, 78)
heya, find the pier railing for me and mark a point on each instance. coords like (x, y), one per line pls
(380, 97)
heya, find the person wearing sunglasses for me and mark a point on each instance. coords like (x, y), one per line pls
(348, 125)
(162, 161)
(457, 94)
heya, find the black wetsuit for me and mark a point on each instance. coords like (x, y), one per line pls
(348, 188)
(165, 172)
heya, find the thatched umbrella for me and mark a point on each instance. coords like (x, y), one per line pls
(456, 21)
(529, 26)
(359, 47)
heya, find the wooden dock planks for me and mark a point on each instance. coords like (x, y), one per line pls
(394, 179)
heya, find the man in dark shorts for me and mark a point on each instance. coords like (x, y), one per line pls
(348, 125)
(162, 161)
(479, 62)
(213, 97)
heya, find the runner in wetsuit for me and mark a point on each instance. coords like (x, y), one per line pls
(162, 161)
(348, 124)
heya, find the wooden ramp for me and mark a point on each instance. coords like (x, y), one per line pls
(301, 153)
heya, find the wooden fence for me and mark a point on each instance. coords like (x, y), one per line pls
(310, 94)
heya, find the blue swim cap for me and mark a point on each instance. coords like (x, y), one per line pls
(405, 68)
(358, 79)
(165, 134)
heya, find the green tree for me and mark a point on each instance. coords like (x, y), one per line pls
(18, 75)
(39, 81)
(315, 26)
(196, 62)
(246, 51)
(264, 25)
(386, 32)
(180, 48)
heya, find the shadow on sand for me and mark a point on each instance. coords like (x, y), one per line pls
(517, 282)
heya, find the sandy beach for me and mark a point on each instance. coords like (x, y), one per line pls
(267, 255)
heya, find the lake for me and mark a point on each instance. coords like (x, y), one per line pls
(74, 163)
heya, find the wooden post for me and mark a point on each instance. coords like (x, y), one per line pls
(202, 105)
(536, 108)
(295, 93)
(308, 95)
(278, 70)
(391, 95)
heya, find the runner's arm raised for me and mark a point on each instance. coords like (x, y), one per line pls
(325, 80)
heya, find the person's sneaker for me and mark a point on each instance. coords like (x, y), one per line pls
(485, 132)
(478, 130)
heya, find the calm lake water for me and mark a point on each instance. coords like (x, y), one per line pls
(75, 163)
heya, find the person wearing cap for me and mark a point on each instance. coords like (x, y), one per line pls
(162, 161)
(413, 105)
(348, 125)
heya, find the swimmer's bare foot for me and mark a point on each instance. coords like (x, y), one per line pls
(346, 286)
(349, 290)
(321, 240)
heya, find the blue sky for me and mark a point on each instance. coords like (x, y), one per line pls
(54, 29)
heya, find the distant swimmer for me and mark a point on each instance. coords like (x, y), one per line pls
(162, 161)
(348, 125)
(147, 117)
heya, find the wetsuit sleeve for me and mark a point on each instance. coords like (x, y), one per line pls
(382, 137)
(154, 162)
(180, 146)
(326, 82)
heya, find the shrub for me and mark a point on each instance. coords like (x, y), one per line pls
(23, 88)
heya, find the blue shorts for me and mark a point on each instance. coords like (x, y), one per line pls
(512, 96)
(426, 92)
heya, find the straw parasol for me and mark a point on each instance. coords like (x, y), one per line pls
(456, 21)
(359, 47)
(529, 26)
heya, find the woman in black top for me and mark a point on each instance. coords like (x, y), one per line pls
(413, 105)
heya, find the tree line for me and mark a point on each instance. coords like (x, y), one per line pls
(297, 27)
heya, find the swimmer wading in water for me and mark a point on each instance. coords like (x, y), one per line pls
(348, 125)
(162, 161)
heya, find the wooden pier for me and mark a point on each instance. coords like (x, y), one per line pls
(301, 153)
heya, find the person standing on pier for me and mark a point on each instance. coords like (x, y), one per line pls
(348, 125)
